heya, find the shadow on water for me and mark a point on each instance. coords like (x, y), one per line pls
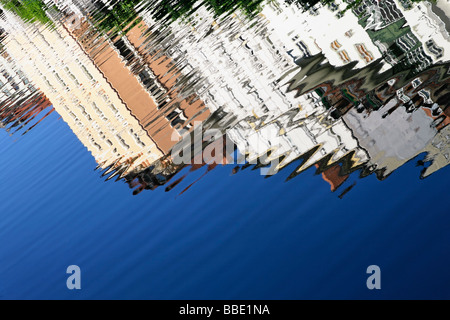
(157, 90)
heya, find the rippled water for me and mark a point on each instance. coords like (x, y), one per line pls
(200, 102)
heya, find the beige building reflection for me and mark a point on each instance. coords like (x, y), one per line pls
(80, 93)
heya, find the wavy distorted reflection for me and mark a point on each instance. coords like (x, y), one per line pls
(153, 87)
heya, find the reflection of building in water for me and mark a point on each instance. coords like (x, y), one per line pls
(240, 67)
(405, 122)
(438, 152)
(54, 62)
(412, 120)
(145, 80)
(430, 24)
(20, 101)
(394, 140)
(324, 29)
(228, 55)
(130, 97)
(423, 114)
(293, 135)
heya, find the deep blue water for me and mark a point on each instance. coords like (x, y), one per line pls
(228, 237)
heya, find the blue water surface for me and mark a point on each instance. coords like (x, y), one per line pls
(228, 237)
